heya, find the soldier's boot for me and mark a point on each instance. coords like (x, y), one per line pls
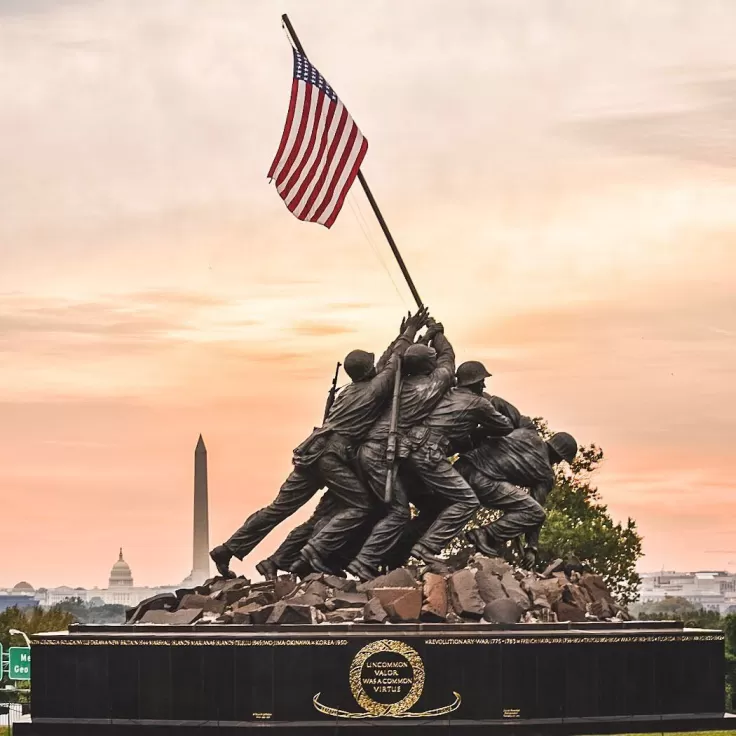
(364, 573)
(221, 556)
(484, 542)
(314, 560)
(420, 552)
(301, 568)
(268, 569)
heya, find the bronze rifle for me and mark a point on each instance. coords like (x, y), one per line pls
(391, 449)
(332, 392)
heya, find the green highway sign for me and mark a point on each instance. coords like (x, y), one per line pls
(19, 663)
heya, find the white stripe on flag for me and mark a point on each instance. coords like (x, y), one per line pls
(339, 111)
(343, 179)
(315, 149)
(349, 125)
(298, 107)
(305, 141)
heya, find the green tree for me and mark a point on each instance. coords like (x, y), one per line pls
(85, 613)
(579, 525)
(729, 629)
(693, 618)
(30, 621)
(672, 607)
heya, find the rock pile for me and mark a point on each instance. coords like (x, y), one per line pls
(485, 589)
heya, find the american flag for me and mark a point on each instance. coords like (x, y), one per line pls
(321, 148)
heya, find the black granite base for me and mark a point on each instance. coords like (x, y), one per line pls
(546, 678)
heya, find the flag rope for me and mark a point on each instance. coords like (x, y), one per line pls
(363, 225)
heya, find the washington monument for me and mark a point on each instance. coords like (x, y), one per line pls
(201, 546)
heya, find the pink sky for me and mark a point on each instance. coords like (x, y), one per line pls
(560, 177)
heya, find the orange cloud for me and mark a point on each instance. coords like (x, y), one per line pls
(320, 329)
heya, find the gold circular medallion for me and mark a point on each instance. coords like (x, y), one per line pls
(387, 677)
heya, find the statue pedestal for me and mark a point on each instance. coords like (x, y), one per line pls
(311, 680)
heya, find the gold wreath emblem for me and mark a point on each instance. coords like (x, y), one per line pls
(374, 709)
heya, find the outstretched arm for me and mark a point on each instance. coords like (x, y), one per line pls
(517, 419)
(409, 328)
(491, 422)
(383, 382)
(445, 352)
(443, 376)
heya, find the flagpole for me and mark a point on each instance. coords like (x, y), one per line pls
(366, 188)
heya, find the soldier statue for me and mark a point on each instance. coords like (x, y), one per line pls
(461, 411)
(325, 459)
(428, 369)
(427, 505)
(499, 470)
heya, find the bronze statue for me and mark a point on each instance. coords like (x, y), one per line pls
(499, 470)
(428, 506)
(428, 374)
(325, 459)
(287, 557)
(460, 411)
(355, 410)
(375, 455)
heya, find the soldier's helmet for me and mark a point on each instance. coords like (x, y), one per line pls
(470, 372)
(419, 359)
(358, 364)
(564, 445)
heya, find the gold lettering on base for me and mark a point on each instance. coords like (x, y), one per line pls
(386, 680)
(511, 713)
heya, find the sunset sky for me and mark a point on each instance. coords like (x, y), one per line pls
(559, 175)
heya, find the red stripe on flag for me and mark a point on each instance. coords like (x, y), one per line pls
(348, 184)
(338, 171)
(287, 129)
(299, 136)
(328, 159)
(294, 204)
(305, 156)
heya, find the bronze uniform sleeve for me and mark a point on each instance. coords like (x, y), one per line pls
(492, 422)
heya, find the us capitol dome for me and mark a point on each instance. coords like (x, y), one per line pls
(120, 574)
(120, 589)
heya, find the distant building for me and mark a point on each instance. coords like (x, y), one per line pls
(22, 588)
(21, 595)
(120, 575)
(120, 590)
(711, 590)
(52, 596)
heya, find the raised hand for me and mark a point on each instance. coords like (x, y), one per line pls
(433, 327)
(416, 321)
(421, 317)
